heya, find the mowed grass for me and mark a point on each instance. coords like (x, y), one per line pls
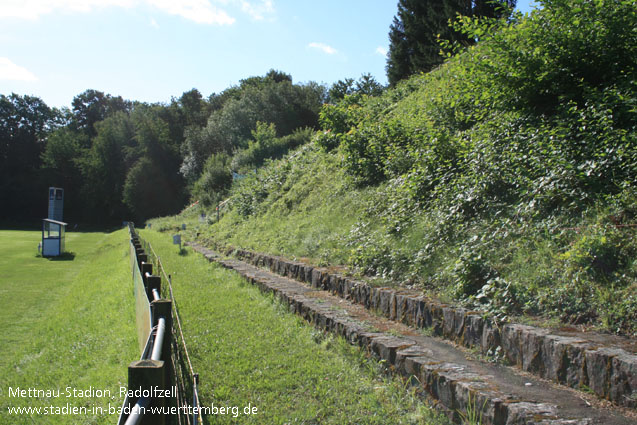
(66, 322)
(249, 350)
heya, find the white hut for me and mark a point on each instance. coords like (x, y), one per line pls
(53, 233)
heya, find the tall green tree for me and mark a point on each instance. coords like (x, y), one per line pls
(25, 122)
(61, 160)
(153, 184)
(93, 106)
(418, 25)
(104, 168)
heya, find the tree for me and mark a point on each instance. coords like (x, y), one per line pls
(366, 85)
(148, 190)
(92, 106)
(272, 99)
(160, 159)
(104, 168)
(25, 122)
(215, 180)
(416, 29)
(195, 109)
(60, 168)
(340, 89)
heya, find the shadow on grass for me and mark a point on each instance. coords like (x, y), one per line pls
(36, 225)
(183, 252)
(66, 256)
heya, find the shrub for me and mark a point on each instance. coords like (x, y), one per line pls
(267, 146)
(215, 180)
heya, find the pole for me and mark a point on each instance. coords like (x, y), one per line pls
(159, 339)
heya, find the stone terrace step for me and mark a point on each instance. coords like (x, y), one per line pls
(604, 364)
(446, 373)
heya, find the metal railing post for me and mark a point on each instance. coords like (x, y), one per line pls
(163, 309)
(145, 268)
(195, 401)
(152, 283)
(146, 375)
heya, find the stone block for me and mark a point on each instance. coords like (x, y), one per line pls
(453, 322)
(523, 413)
(472, 335)
(400, 308)
(386, 346)
(392, 306)
(316, 278)
(384, 301)
(374, 302)
(365, 338)
(563, 360)
(422, 313)
(348, 289)
(623, 380)
(364, 294)
(490, 336)
(307, 270)
(599, 367)
(404, 354)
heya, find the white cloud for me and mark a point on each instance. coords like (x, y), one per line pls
(258, 10)
(153, 23)
(381, 51)
(324, 48)
(200, 11)
(11, 71)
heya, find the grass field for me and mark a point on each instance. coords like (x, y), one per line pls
(68, 322)
(249, 350)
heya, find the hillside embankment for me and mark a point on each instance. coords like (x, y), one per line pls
(502, 181)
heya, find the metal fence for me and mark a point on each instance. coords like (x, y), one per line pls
(164, 363)
(187, 380)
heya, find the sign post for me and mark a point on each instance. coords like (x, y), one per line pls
(177, 241)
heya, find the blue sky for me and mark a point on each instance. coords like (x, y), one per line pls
(152, 50)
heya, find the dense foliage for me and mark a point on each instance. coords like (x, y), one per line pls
(271, 99)
(419, 25)
(504, 179)
(24, 123)
(120, 160)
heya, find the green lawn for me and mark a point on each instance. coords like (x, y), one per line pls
(65, 323)
(249, 350)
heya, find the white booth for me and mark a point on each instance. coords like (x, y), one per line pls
(52, 237)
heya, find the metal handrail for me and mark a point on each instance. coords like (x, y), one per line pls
(136, 412)
(139, 409)
(174, 303)
(159, 339)
(197, 419)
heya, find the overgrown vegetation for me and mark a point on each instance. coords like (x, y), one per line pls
(249, 349)
(503, 179)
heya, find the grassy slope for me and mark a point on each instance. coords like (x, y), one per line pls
(249, 349)
(306, 218)
(312, 209)
(65, 323)
(504, 179)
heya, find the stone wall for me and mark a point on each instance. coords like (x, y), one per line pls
(576, 361)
